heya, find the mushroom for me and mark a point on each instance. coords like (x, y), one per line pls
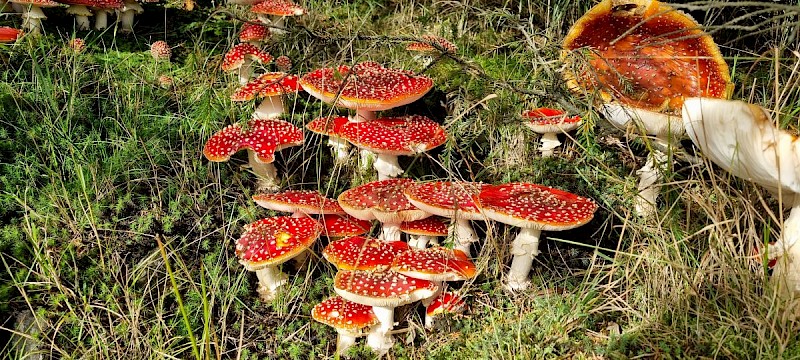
(382, 200)
(394, 136)
(383, 291)
(644, 58)
(301, 203)
(262, 138)
(421, 232)
(77, 45)
(269, 242)
(532, 208)
(126, 14)
(274, 12)
(270, 86)
(366, 87)
(254, 34)
(363, 253)
(79, 8)
(437, 264)
(241, 57)
(743, 140)
(549, 123)
(9, 34)
(32, 14)
(425, 48)
(445, 303)
(348, 318)
(160, 50)
(283, 63)
(332, 127)
(451, 199)
(339, 226)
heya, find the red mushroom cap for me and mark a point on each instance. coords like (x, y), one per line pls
(406, 135)
(160, 50)
(278, 8)
(546, 120)
(9, 34)
(646, 55)
(535, 206)
(386, 288)
(361, 253)
(369, 87)
(283, 63)
(235, 57)
(39, 3)
(266, 85)
(104, 4)
(344, 315)
(446, 302)
(275, 240)
(328, 125)
(446, 198)
(344, 225)
(435, 264)
(253, 32)
(382, 200)
(430, 226)
(263, 136)
(425, 46)
(309, 202)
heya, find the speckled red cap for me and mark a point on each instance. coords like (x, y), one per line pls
(277, 8)
(446, 302)
(405, 135)
(275, 240)
(253, 32)
(263, 136)
(435, 264)
(9, 34)
(332, 125)
(236, 56)
(535, 206)
(362, 253)
(547, 120)
(309, 202)
(105, 4)
(344, 225)
(446, 198)
(283, 63)
(425, 46)
(430, 226)
(370, 87)
(344, 315)
(382, 200)
(160, 50)
(38, 3)
(266, 85)
(385, 288)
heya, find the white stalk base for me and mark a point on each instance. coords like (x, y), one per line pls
(125, 19)
(270, 279)
(344, 341)
(786, 273)
(245, 71)
(378, 338)
(524, 248)
(270, 108)
(549, 142)
(340, 148)
(650, 178)
(464, 236)
(391, 232)
(32, 19)
(100, 19)
(387, 166)
(267, 173)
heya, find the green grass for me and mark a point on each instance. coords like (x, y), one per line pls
(118, 235)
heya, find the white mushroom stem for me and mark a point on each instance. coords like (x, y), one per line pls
(378, 338)
(101, 19)
(126, 14)
(32, 17)
(270, 279)
(464, 236)
(420, 241)
(265, 171)
(650, 178)
(340, 147)
(524, 248)
(387, 166)
(81, 16)
(344, 341)
(786, 273)
(363, 115)
(391, 232)
(270, 108)
(245, 71)
(549, 142)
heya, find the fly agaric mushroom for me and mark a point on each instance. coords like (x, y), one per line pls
(549, 123)
(644, 58)
(274, 12)
(429, 46)
(421, 232)
(339, 226)
(363, 253)
(332, 127)
(436, 264)
(742, 139)
(160, 50)
(269, 242)
(283, 63)
(366, 87)
(241, 57)
(79, 8)
(347, 317)
(262, 138)
(452, 200)
(382, 200)
(126, 13)
(301, 203)
(9, 34)
(32, 14)
(532, 208)
(383, 291)
(445, 303)
(270, 86)
(254, 34)
(392, 137)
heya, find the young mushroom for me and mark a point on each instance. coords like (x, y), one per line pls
(262, 138)
(445, 303)
(160, 50)
(348, 318)
(549, 123)
(272, 87)
(743, 140)
(426, 49)
(32, 14)
(643, 58)
(269, 242)
(274, 12)
(532, 208)
(241, 57)
(422, 232)
(382, 200)
(254, 34)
